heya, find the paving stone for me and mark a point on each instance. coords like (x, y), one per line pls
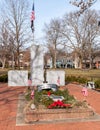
(8, 111)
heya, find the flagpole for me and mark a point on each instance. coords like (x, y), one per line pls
(32, 28)
(32, 17)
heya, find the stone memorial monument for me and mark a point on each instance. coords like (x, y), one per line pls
(20, 77)
(37, 64)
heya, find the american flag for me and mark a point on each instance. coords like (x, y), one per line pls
(29, 82)
(32, 18)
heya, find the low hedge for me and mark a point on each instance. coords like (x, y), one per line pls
(83, 80)
(78, 79)
(97, 84)
(4, 78)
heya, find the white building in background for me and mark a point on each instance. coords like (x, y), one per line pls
(62, 62)
(76, 62)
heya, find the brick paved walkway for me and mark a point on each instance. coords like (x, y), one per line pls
(8, 108)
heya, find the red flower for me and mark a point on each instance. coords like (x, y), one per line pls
(58, 104)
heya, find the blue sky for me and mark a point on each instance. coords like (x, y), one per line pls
(45, 10)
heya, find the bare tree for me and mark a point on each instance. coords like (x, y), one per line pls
(4, 43)
(53, 38)
(83, 5)
(16, 13)
(92, 33)
(80, 33)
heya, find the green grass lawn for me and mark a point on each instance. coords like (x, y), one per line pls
(76, 72)
(91, 74)
(94, 73)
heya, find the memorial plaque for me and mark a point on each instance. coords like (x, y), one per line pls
(17, 78)
(56, 77)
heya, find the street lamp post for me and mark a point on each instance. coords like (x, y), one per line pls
(13, 63)
(21, 60)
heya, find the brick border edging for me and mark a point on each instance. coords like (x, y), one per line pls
(24, 121)
(58, 114)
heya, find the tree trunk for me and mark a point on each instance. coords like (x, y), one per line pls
(3, 63)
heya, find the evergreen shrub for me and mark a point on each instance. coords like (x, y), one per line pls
(97, 84)
(76, 79)
(42, 98)
(4, 78)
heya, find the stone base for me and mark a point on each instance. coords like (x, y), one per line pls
(58, 114)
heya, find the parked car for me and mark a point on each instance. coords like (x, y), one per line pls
(45, 86)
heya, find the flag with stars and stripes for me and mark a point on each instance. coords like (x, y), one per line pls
(32, 18)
